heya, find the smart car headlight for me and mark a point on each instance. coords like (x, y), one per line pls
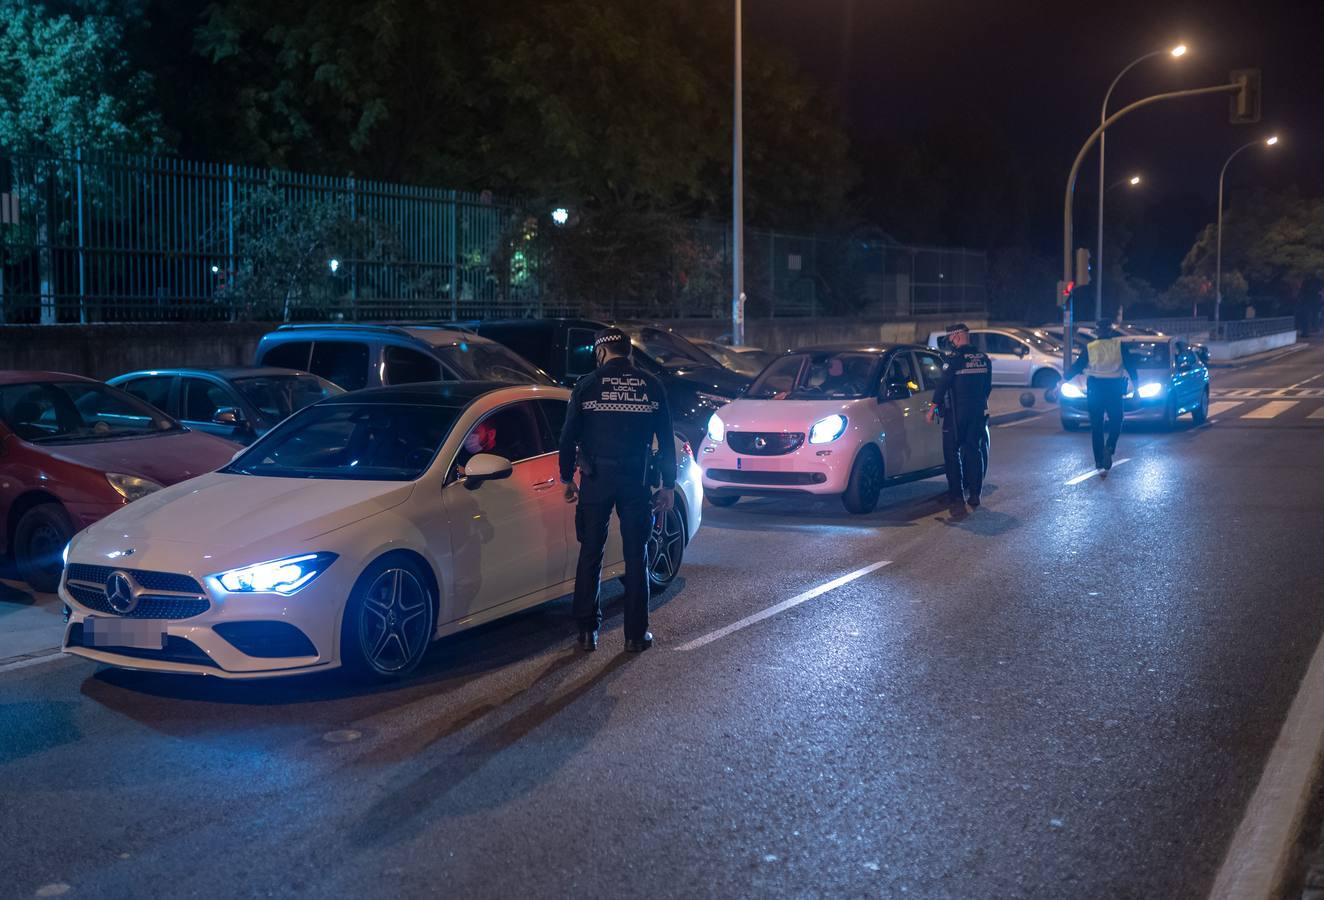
(716, 429)
(1152, 389)
(825, 431)
(1071, 391)
(278, 576)
(131, 487)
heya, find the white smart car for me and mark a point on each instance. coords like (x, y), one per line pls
(839, 420)
(354, 533)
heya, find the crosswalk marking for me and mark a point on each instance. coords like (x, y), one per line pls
(1222, 406)
(1317, 414)
(1270, 410)
(1297, 393)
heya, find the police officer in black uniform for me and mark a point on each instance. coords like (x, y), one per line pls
(962, 399)
(615, 413)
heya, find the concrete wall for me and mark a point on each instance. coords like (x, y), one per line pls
(1222, 351)
(103, 351)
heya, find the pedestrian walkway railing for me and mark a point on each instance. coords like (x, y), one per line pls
(1253, 328)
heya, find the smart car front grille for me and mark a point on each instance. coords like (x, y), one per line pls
(152, 581)
(765, 443)
(149, 606)
(177, 649)
(777, 479)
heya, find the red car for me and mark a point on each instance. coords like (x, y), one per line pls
(73, 450)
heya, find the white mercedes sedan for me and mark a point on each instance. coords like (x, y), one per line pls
(354, 533)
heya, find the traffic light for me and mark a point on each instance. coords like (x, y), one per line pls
(1064, 289)
(1244, 105)
(1082, 267)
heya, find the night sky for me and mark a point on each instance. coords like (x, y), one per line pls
(1041, 69)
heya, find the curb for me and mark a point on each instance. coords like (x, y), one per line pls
(1262, 358)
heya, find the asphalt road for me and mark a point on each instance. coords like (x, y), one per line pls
(1070, 692)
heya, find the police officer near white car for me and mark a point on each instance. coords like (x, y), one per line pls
(615, 415)
(961, 398)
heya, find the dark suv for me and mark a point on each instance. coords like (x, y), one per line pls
(360, 356)
(696, 384)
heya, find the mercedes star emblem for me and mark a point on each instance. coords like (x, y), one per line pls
(120, 593)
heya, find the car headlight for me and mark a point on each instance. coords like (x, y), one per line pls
(716, 429)
(713, 400)
(279, 576)
(1071, 391)
(825, 431)
(1153, 389)
(131, 487)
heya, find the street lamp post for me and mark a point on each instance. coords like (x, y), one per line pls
(1218, 253)
(1176, 52)
(738, 200)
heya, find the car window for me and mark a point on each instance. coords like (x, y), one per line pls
(343, 363)
(553, 412)
(77, 411)
(277, 396)
(1000, 343)
(529, 341)
(901, 370)
(579, 358)
(405, 366)
(930, 367)
(352, 442)
(291, 355)
(154, 390)
(202, 398)
(670, 350)
(515, 432)
(1146, 354)
(481, 360)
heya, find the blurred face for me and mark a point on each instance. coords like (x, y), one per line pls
(958, 338)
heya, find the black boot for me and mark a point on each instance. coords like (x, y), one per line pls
(641, 645)
(588, 640)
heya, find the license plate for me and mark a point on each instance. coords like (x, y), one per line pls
(140, 634)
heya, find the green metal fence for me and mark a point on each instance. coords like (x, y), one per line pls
(120, 238)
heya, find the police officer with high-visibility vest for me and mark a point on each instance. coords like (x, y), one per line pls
(1106, 366)
(615, 415)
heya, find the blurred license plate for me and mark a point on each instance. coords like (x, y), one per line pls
(141, 634)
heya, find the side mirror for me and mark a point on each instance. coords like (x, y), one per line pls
(896, 390)
(1022, 351)
(1202, 353)
(486, 467)
(228, 415)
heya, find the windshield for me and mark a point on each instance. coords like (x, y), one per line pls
(670, 350)
(352, 442)
(817, 376)
(278, 396)
(749, 363)
(1147, 354)
(1042, 341)
(490, 361)
(78, 412)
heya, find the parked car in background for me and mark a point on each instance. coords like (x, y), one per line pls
(354, 533)
(73, 450)
(1173, 381)
(696, 383)
(1020, 357)
(354, 357)
(838, 421)
(748, 361)
(1086, 333)
(238, 403)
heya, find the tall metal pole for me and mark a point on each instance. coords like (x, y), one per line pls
(1218, 243)
(1068, 325)
(738, 201)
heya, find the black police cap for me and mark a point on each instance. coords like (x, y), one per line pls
(613, 339)
(959, 326)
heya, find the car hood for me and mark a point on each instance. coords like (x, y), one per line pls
(226, 511)
(786, 415)
(710, 379)
(164, 458)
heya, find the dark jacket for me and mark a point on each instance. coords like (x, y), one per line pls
(967, 380)
(614, 415)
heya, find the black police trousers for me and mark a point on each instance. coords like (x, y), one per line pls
(633, 502)
(1105, 398)
(965, 453)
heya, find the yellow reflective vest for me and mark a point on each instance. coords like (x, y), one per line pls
(1105, 359)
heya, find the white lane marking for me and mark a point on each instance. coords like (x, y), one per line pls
(33, 659)
(1260, 850)
(1030, 418)
(1317, 414)
(784, 605)
(1270, 410)
(1092, 472)
(1217, 409)
(1308, 380)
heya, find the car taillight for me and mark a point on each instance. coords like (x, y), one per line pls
(686, 449)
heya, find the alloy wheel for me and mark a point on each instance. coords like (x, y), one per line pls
(666, 546)
(393, 621)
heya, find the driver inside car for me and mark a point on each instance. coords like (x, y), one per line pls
(481, 440)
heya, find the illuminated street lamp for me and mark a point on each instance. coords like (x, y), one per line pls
(1176, 53)
(1218, 253)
